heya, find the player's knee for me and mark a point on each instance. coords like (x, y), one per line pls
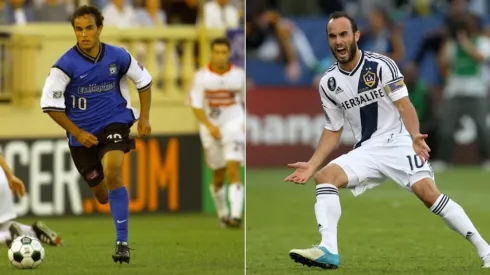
(100, 193)
(426, 190)
(233, 175)
(219, 177)
(102, 198)
(233, 171)
(112, 176)
(332, 174)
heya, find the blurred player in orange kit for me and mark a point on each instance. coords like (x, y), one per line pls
(215, 99)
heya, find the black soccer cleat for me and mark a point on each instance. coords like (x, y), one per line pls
(223, 222)
(235, 223)
(121, 253)
(15, 232)
(46, 235)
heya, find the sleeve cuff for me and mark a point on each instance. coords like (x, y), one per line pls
(52, 109)
(146, 87)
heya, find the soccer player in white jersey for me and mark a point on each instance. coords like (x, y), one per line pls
(367, 90)
(10, 229)
(215, 99)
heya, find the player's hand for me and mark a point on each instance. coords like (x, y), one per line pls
(420, 147)
(214, 131)
(17, 186)
(144, 127)
(87, 139)
(304, 171)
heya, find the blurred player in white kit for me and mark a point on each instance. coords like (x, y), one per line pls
(215, 100)
(9, 229)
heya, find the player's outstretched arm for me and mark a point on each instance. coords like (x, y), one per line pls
(305, 170)
(394, 86)
(334, 125)
(411, 121)
(326, 145)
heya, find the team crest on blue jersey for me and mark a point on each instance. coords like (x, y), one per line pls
(332, 84)
(113, 69)
(369, 79)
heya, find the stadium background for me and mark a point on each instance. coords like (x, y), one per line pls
(166, 174)
(387, 230)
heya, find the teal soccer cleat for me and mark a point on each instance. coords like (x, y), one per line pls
(316, 256)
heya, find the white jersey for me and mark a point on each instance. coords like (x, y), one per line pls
(218, 94)
(364, 98)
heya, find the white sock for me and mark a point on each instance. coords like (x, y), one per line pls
(27, 230)
(5, 233)
(219, 198)
(455, 217)
(327, 212)
(235, 195)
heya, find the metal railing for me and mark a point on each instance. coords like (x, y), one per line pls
(28, 52)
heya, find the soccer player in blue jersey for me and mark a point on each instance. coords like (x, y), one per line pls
(87, 94)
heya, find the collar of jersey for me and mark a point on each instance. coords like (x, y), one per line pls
(227, 69)
(356, 68)
(87, 57)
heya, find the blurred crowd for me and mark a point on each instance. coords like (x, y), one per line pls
(461, 45)
(127, 13)
(359, 8)
(216, 14)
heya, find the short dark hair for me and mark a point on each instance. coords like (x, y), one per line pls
(221, 41)
(88, 10)
(343, 14)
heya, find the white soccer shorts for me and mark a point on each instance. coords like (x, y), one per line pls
(371, 164)
(231, 147)
(7, 209)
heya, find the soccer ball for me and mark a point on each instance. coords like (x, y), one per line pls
(26, 252)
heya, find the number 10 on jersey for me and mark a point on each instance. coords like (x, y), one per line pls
(79, 103)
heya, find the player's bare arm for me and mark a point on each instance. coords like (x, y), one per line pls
(53, 103)
(411, 121)
(85, 138)
(142, 80)
(197, 102)
(15, 184)
(305, 170)
(144, 127)
(201, 117)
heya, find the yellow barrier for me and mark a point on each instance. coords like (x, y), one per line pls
(30, 51)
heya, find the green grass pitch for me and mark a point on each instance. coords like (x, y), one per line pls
(386, 230)
(163, 244)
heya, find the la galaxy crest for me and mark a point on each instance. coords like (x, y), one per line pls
(332, 84)
(113, 69)
(369, 79)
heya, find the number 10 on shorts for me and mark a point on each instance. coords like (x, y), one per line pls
(415, 159)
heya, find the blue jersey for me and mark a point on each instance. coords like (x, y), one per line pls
(94, 92)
